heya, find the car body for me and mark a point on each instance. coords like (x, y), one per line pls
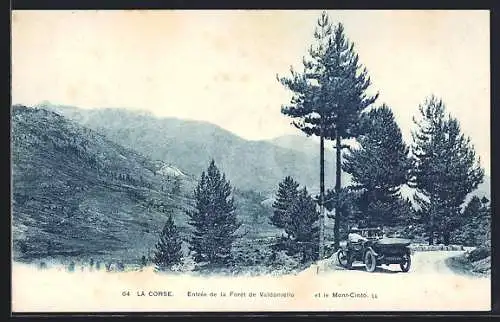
(375, 251)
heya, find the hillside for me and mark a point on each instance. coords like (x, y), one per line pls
(250, 165)
(301, 143)
(77, 193)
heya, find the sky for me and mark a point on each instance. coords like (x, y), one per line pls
(221, 66)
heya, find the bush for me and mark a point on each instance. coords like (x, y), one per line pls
(284, 262)
(248, 253)
(186, 265)
(482, 266)
(478, 254)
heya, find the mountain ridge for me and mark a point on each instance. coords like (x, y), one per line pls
(256, 165)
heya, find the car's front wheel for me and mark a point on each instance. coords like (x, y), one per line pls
(370, 262)
(344, 259)
(406, 263)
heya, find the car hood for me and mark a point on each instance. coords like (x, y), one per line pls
(394, 241)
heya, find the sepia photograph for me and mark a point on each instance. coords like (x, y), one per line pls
(250, 160)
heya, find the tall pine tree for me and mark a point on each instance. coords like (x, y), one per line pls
(446, 169)
(348, 82)
(379, 167)
(300, 223)
(328, 98)
(214, 219)
(303, 227)
(286, 195)
(168, 248)
(309, 106)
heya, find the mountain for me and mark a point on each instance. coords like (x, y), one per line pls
(250, 165)
(309, 146)
(301, 143)
(77, 193)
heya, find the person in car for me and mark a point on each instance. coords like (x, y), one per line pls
(354, 235)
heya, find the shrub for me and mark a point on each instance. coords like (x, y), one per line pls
(478, 254)
(285, 262)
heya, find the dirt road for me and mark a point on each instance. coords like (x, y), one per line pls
(429, 285)
(432, 262)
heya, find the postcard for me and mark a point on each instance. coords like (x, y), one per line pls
(250, 161)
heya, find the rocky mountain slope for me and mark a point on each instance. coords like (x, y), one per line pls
(77, 193)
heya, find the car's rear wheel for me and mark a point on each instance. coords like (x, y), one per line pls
(344, 259)
(370, 262)
(406, 263)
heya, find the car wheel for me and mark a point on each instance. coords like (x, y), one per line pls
(406, 263)
(370, 262)
(344, 259)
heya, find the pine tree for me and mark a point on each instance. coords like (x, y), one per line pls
(214, 219)
(287, 193)
(168, 248)
(328, 99)
(475, 224)
(348, 82)
(446, 169)
(470, 222)
(379, 167)
(303, 226)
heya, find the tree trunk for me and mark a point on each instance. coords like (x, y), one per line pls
(446, 237)
(336, 228)
(431, 227)
(321, 196)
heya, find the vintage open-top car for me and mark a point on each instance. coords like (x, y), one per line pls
(375, 251)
